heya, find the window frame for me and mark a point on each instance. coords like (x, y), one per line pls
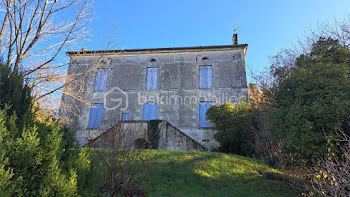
(209, 84)
(151, 106)
(127, 113)
(100, 85)
(98, 120)
(206, 124)
(149, 85)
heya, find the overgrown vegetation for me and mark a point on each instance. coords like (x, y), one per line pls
(294, 119)
(332, 176)
(312, 102)
(38, 157)
(305, 108)
(118, 164)
(14, 93)
(232, 124)
(153, 133)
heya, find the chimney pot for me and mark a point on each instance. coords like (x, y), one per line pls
(235, 39)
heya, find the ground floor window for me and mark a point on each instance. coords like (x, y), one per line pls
(95, 118)
(125, 115)
(150, 111)
(203, 108)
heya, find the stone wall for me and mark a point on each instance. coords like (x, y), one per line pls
(172, 138)
(135, 134)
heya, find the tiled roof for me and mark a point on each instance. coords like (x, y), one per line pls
(156, 49)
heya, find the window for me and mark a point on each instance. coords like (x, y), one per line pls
(95, 118)
(152, 79)
(150, 111)
(203, 108)
(101, 80)
(125, 115)
(205, 77)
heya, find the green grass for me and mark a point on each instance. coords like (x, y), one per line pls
(192, 173)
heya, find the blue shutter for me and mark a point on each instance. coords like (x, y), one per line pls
(202, 111)
(95, 118)
(202, 77)
(152, 79)
(203, 108)
(150, 111)
(210, 76)
(205, 76)
(126, 115)
(154, 112)
(101, 80)
(146, 111)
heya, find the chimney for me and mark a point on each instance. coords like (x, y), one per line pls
(235, 39)
(83, 49)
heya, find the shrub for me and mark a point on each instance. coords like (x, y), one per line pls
(38, 157)
(232, 125)
(332, 177)
(121, 168)
(34, 162)
(312, 101)
(14, 92)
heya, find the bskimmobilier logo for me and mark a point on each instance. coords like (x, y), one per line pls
(117, 98)
(111, 102)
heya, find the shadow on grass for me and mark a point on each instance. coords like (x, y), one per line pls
(179, 173)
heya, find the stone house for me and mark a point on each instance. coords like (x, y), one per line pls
(176, 85)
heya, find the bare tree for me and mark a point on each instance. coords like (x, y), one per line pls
(339, 30)
(283, 62)
(119, 158)
(332, 178)
(267, 148)
(35, 33)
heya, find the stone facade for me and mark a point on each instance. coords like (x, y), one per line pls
(176, 89)
(129, 133)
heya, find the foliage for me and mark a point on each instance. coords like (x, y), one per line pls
(47, 28)
(232, 125)
(153, 133)
(312, 101)
(266, 147)
(332, 177)
(14, 92)
(255, 94)
(118, 166)
(38, 157)
(5, 173)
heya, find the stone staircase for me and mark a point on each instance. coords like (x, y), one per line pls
(155, 134)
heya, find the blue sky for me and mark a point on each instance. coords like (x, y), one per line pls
(265, 25)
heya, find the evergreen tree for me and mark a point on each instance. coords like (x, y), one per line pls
(38, 157)
(14, 92)
(312, 102)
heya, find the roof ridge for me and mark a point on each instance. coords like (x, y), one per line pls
(156, 49)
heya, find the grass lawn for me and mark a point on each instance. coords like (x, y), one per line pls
(192, 173)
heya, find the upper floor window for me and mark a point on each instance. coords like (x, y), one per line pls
(205, 77)
(95, 118)
(152, 78)
(101, 80)
(203, 108)
(150, 111)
